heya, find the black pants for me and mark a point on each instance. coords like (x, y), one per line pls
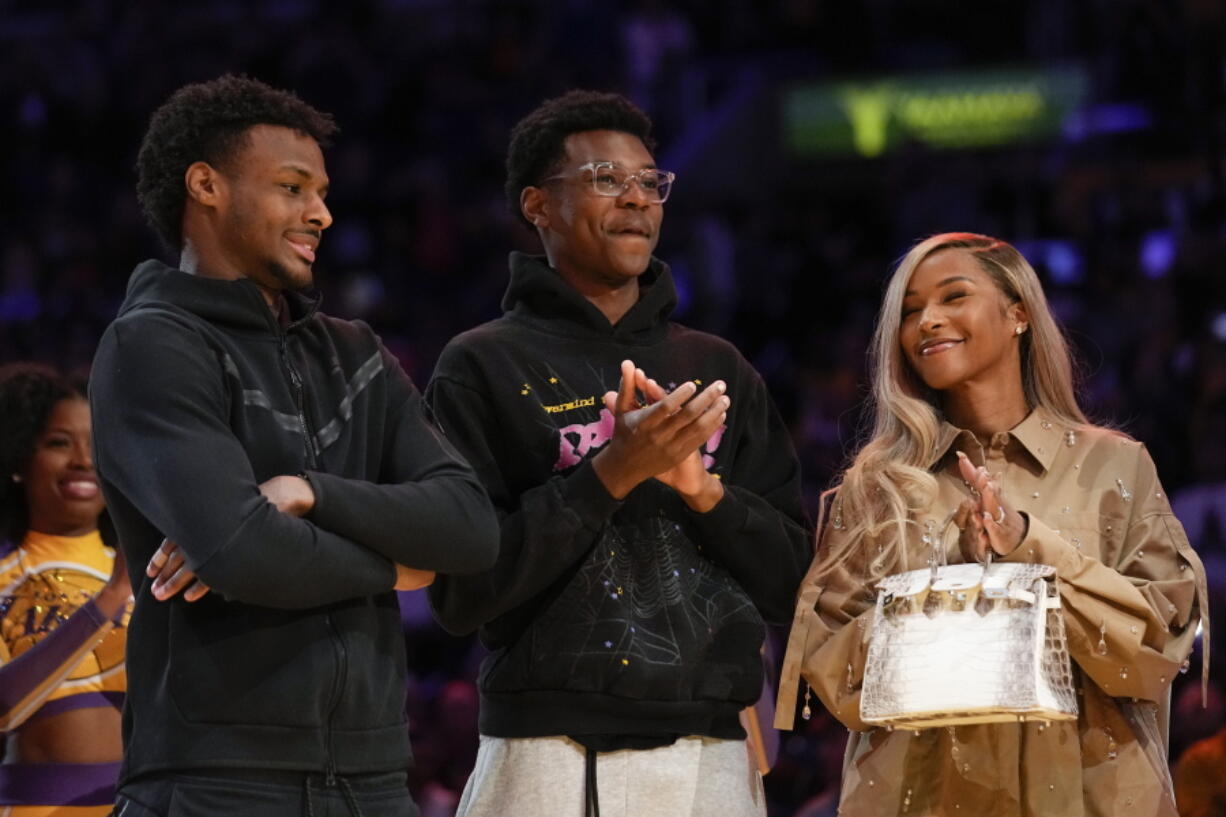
(266, 794)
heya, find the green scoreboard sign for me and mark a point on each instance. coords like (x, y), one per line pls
(943, 111)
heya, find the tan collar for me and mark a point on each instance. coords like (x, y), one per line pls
(1038, 434)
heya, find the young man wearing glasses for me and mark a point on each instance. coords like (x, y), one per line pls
(648, 494)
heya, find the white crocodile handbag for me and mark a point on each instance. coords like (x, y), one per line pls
(968, 643)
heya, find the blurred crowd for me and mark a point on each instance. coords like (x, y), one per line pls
(1127, 227)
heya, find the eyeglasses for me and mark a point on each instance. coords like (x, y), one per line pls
(610, 180)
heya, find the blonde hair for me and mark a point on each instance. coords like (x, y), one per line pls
(889, 480)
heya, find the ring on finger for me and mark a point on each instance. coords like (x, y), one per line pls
(1000, 514)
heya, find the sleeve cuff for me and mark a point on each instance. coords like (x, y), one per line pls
(1042, 545)
(586, 495)
(318, 481)
(723, 521)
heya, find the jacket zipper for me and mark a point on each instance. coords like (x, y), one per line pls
(338, 686)
(338, 645)
(300, 401)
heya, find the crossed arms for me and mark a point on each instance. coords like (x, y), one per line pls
(174, 469)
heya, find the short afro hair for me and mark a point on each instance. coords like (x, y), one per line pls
(28, 393)
(208, 122)
(538, 141)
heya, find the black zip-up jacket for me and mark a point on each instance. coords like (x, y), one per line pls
(626, 622)
(295, 660)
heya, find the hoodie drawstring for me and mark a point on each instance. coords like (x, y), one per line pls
(591, 807)
(351, 799)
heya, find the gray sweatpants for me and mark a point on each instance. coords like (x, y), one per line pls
(545, 777)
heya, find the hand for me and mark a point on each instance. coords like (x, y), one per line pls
(290, 495)
(689, 478)
(410, 578)
(984, 519)
(170, 573)
(168, 568)
(114, 595)
(651, 440)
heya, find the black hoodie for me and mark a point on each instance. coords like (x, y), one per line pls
(295, 660)
(639, 618)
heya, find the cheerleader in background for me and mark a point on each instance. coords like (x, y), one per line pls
(64, 596)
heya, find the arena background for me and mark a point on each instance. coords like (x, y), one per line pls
(813, 142)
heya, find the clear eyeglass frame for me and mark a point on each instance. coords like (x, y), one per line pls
(609, 179)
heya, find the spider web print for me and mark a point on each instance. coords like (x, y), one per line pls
(644, 596)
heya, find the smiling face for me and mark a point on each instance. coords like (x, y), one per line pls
(958, 327)
(62, 494)
(272, 214)
(605, 240)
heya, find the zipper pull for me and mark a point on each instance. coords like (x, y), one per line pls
(330, 776)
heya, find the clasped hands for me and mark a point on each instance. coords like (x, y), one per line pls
(984, 519)
(661, 439)
(291, 495)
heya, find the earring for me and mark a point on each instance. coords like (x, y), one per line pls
(1019, 329)
(16, 477)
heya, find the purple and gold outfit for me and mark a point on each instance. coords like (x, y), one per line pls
(58, 653)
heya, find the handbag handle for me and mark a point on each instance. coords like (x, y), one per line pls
(937, 545)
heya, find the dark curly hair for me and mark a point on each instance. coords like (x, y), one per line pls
(538, 141)
(208, 122)
(28, 393)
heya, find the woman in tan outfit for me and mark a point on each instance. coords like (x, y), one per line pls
(977, 426)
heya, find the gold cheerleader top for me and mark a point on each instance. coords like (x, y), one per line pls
(43, 583)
